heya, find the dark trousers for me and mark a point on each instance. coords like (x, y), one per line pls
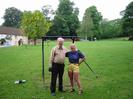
(57, 71)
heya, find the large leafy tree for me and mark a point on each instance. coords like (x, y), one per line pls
(12, 17)
(128, 21)
(91, 22)
(110, 29)
(34, 24)
(87, 25)
(48, 12)
(97, 18)
(66, 19)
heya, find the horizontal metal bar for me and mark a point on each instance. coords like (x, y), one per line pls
(45, 37)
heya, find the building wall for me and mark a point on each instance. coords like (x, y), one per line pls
(2, 36)
(14, 39)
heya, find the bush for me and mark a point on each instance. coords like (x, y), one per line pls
(130, 38)
(2, 41)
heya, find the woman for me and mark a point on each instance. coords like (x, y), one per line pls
(75, 58)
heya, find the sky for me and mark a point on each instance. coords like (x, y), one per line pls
(109, 9)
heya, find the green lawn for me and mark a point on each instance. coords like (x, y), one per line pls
(112, 60)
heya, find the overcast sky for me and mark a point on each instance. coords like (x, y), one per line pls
(110, 9)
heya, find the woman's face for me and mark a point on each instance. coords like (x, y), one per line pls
(73, 48)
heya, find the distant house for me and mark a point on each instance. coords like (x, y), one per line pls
(12, 36)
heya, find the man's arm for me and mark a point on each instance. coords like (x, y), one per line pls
(51, 58)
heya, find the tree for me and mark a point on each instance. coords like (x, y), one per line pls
(87, 25)
(34, 24)
(110, 29)
(127, 26)
(66, 19)
(12, 17)
(59, 27)
(97, 18)
(73, 23)
(48, 12)
(91, 22)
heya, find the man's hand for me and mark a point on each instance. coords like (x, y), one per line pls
(50, 69)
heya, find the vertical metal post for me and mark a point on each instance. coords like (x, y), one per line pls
(73, 40)
(43, 60)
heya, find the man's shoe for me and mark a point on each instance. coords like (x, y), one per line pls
(62, 91)
(53, 94)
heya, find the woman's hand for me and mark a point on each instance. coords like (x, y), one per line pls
(81, 60)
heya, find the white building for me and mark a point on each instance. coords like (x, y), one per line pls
(12, 36)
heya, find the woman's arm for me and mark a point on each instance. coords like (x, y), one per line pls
(81, 56)
(81, 60)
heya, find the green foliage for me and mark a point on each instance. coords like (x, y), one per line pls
(59, 27)
(48, 11)
(2, 41)
(66, 19)
(97, 18)
(34, 24)
(128, 20)
(91, 22)
(110, 29)
(12, 17)
(87, 25)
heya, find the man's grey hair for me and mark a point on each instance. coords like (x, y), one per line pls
(60, 39)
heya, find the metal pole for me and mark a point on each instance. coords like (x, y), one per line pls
(73, 39)
(43, 60)
(90, 69)
(89, 66)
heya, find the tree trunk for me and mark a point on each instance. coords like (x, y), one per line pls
(34, 41)
(28, 41)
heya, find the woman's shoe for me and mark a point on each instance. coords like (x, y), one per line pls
(72, 90)
(80, 92)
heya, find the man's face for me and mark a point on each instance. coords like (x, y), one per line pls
(60, 43)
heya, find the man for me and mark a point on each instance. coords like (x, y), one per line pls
(57, 59)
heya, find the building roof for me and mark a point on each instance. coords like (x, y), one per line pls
(11, 31)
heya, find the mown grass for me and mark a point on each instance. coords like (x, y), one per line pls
(111, 60)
